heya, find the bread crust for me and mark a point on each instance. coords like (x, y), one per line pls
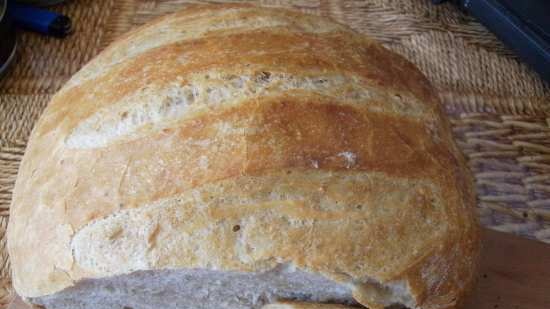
(359, 165)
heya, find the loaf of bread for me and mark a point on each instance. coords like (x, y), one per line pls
(232, 156)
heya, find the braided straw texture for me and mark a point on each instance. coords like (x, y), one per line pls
(499, 108)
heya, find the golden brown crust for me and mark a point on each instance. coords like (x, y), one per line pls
(107, 150)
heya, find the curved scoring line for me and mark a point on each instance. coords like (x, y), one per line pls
(163, 34)
(212, 89)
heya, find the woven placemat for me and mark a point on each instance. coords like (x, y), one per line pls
(499, 108)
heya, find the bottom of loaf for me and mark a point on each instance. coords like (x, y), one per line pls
(214, 289)
(198, 289)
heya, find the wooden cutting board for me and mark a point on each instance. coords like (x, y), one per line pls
(515, 274)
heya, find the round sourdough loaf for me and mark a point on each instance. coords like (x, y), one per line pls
(231, 156)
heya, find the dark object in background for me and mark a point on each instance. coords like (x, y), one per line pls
(7, 38)
(16, 14)
(40, 20)
(524, 26)
(41, 2)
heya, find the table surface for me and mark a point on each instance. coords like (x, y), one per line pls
(498, 107)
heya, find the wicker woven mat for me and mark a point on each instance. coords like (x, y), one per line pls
(500, 110)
